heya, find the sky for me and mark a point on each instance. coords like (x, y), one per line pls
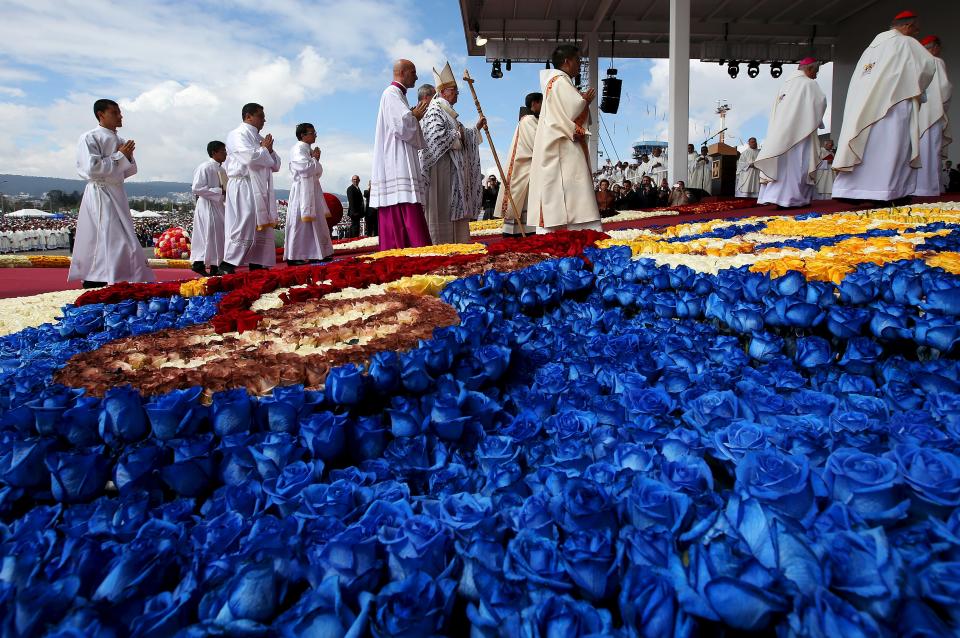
(182, 69)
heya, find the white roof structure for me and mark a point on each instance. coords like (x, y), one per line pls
(144, 214)
(30, 212)
(742, 30)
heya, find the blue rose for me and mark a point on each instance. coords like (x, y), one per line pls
(687, 474)
(468, 515)
(493, 360)
(564, 616)
(285, 489)
(536, 560)
(452, 479)
(779, 480)
(48, 409)
(861, 354)
(416, 606)
(738, 438)
(406, 417)
(942, 333)
(273, 453)
(421, 543)
(340, 499)
(232, 412)
(868, 484)
(649, 401)
(122, 419)
(940, 582)
(78, 476)
(79, 424)
(568, 424)
(139, 468)
(367, 437)
(535, 515)
(496, 450)
(323, 433)
(353, 556)
(933, 475)
(650, 546)
(587, 504)
(713, 409)
(793, 312)
(862, 566)
(523, 427)
(253, 594)
(652, 503)
(22, 462)
(590, 559)
(764, 346)
(846, 322)
(813, 352)
(344, 385)
(384, 371)
(858, 289)
(649, 607)
(446, 411)
(822, 615)
(321, 612)
(175, 414)
(283, 409)
(416, 454)
(413, 371)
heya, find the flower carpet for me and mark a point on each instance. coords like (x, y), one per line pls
(720, 428)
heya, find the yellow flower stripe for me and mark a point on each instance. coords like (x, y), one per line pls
(15, 261)
(428, 251)
(949, 261)
(194, 287)
(49, 261)
(833, 263)
(485, 224)
(421, 284)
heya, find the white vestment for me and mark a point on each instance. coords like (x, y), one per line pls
(397, 178)
(561, 188)
(450, 161)
(658, 168)
(251, 209)
(307, 235)
(824, 175)
(699, 169)
(878, 151)
(518, 177)
(934, 132)
(792, 137)
(644, 169)
(106, 247)
(209, 185)
(748, 175)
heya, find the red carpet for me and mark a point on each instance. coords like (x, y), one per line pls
(21, 282)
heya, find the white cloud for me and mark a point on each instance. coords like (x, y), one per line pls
(12, 91)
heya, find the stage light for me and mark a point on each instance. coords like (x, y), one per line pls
(733, 69)
(497, 72)
(753, 69)
(509, 65)
(776, 69)
(480, 40)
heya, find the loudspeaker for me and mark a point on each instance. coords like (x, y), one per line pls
(610, 100)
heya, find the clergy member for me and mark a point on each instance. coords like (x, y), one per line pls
(748, 175)
(210, 189)
(561, 186)
(251, 210)
(450, 161)
(658, 165)
(824, 179)
(307, 234)
(878, 152)
(397, 188)
(106, 249)
(518, 168)
(788, 161)
(934, 132)
(701, 171)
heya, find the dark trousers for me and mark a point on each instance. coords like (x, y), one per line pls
(373, 222)
(354, 227)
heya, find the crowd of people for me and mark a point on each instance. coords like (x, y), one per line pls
(426, 183)
(24, 234)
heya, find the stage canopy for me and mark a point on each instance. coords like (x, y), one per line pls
(743, 30)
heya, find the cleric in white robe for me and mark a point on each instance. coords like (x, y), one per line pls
(658, 165)
(748, 175)
(824, 179)
(307, 236)
(700, 171)
(561, 185)
(397, 188)
(517, 176)
(106, 249)
(934, 130)
(210, 189)
(878, 152)
(450, 160)
(251, 210)
(788, 161)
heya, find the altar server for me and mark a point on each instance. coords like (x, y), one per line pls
(518, 168)
(824, 178)
(934, 130)
(748, 175)
(701, 171)
(106, 249)
(307, 234)
(210, 189)
(251, 210)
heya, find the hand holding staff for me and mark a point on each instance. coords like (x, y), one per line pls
(483, 120)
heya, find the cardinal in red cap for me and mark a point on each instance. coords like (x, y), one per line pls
(791, 150)
(878, 152)
(934, 130)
